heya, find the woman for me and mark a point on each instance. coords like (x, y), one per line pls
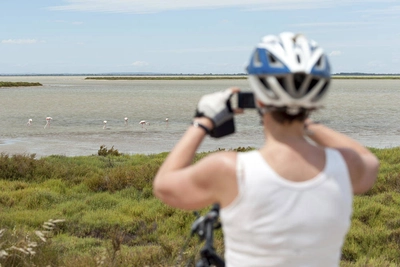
(290, 202)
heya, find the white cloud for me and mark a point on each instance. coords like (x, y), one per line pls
(376, 64)
(152, 6)
(140, 63)
(391, 10)
(69, 22)
(335, 53)
(19, 41)
(333, 24)
(206, 49)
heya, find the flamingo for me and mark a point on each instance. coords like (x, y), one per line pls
(126, 121)
(144, 123)
(48, 120)
(166, 121)
(105, 125)
(29, 122)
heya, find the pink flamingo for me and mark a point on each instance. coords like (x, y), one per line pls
(144, 123)
(48, 120)
(29, 122)
(126, 121)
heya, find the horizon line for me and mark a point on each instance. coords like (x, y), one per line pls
(170, 74)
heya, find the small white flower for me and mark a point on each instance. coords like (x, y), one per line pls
(32, 244)
(50, 224)
(56, 221)
(3, 253)
(40, 235)
(31, 251)
(20, 249)
(47, 227)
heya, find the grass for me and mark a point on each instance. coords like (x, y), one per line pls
(107, 216)
(18, 84)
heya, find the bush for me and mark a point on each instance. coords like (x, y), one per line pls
(103, 151)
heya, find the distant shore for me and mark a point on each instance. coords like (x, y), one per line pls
(366, 77)
(18, 84)
(200, 77)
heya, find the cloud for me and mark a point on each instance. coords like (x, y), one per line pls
(376, 64)
(335, 53)
(69, 22)
(153, 6)
(19, 41)
(391, 10)
(140, 64)
(333, 24)
(206, 49)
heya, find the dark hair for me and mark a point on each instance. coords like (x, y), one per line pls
(281, 115)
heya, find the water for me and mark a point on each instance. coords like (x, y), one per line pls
(366, 110)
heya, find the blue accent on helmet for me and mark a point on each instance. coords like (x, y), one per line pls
(325, 72)
(265, 66)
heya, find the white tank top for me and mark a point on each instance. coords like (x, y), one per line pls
(277, 222)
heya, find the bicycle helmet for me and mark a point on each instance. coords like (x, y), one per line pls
(289, 71)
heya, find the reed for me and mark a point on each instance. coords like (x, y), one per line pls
(107, 215)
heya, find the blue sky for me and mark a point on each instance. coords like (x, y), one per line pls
(186, 36)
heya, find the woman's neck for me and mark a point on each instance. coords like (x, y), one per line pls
(283, 132)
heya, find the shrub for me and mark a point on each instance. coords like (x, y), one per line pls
(103, 151)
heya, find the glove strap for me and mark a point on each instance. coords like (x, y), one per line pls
(199, 125)
(224, 129)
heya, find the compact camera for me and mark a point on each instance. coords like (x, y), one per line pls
(245, 100)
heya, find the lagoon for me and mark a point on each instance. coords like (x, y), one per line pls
(366, 110)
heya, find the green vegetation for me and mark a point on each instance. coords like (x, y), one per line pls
(99, 210)
(18, 84)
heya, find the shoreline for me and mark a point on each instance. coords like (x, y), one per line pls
(228, 77)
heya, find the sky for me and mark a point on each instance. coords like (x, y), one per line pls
(190, 37)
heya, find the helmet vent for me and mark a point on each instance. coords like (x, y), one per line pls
(268, 89)
(272, 59)
(312, 84)
(319, 62)
(281, 81)
(257, 61)
(298, 79)
(321, 92)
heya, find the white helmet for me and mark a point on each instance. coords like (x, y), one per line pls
(289, 71)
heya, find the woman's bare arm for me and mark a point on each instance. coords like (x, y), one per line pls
(362, 164)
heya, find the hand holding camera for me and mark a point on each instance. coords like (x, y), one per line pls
(217, 108)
